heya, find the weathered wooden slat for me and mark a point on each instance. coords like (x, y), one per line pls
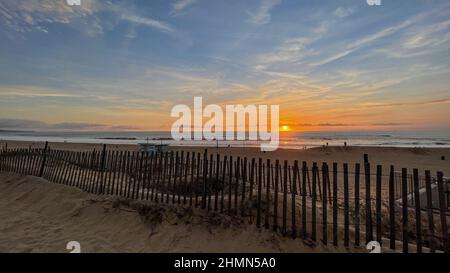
(392, 208)
(275, 196)
(244, 181)
(222, 192)
(313, 202)
(191, 188)
(369, 229)
(216, 183)
(250, 193)
(405, 210)
(197, 179)
(205, 173)
(260, 174)
(176, 174)
(418, 213)
(293, 203)
(164, 185)
(378, 203)
(325, 176)
(304, 177)
(236, 186)
(210, 180)
(432, 244)
(335, 204)
(357, 205)
(346, 207)
(285, 195)
(268, 178)
(442, 212)
(230, 181)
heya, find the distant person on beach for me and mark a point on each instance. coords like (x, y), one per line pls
(345, 144)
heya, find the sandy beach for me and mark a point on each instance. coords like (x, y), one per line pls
(40, 216)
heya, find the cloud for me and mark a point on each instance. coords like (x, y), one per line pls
(27, 16)
(390, 124)
(148, 22)
(291, 50)
(342, 12)
(24, 124)
(323, 124)
(367, 40)
(21, 124)
(262, 15)
(75, 126)
(425, 102)
(33, 92)
(180, 5)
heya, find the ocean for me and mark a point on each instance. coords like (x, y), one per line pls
(294, 140)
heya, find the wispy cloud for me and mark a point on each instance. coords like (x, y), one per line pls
(262, 15)
(148, 22)
(26, 124)
(342, 12)
(27, 16)
(292, 50)
(369, 39)
(180, 5)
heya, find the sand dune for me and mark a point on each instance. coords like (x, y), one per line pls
(39, 216)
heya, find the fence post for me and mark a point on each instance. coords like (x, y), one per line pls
(244, 180)
(369, 231)
(357, 200)
(258, 213)
(237, 169)
(210, 175)
(392, 208)
(378, 202)
(205, 171)
(430, 211)
(304, 170)
(197, 178)
(405, 210)
(222, 193)
(324, 203)
(216, 183)
(164, 170)
(314, 200)
(442, 210)
(250, 194)
(335, 205)
(266, 219)
(192, 178)
(230, 181)
(294, 193)
(418, 213)
(346, 207)
(103, 163)
(285, 194)
(275, 197)
(44, 158)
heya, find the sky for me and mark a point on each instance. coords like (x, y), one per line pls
(123, 65)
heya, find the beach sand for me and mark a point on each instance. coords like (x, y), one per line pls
(40, 216)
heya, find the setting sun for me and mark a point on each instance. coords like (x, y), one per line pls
(285, 128)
